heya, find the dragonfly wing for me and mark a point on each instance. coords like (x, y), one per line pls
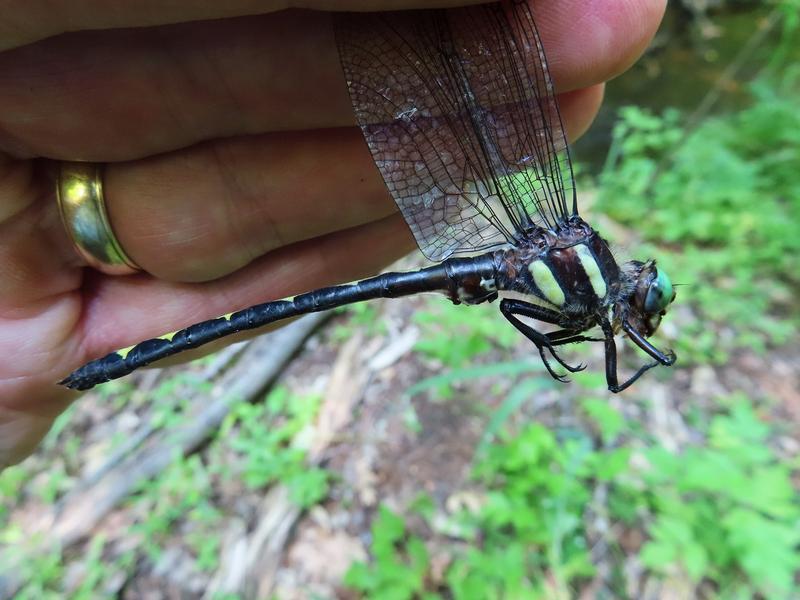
(459, 112)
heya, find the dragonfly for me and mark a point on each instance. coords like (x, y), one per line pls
(459, 111)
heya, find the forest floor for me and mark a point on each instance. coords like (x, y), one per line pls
(218, 517)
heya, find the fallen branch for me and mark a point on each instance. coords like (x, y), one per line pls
(263, 360)
(251, 571)
(80, 512)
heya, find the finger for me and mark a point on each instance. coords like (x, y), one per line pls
(201, 213)
(579, 108)
(22, 430)
(35, 252)
(207, 211)
(121, 95)
(592, 41)
(32, 307)
(25, 21)
(124, 310)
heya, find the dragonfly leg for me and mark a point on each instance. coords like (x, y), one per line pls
(611, 362)
(512, 308)
(667, 359)
(569, 336)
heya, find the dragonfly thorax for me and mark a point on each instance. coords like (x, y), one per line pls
(570, 271)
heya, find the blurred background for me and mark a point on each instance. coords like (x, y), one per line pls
(413, 449)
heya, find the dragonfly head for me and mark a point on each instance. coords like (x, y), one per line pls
(650, 296)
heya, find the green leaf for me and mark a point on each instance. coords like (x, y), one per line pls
(360, 577)
(388, 528)
(767, 550)
(695, 559)
(658, 555)
(308, 487)
(611, 464)
(608, 420)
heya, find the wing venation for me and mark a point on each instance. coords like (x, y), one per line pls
(458, 109)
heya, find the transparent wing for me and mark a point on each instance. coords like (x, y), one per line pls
(459, 112)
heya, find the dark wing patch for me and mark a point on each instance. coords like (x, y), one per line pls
(459, 112)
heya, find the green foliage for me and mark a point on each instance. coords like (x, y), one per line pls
(97, 570)
(51, 440)
(115, 391)
(400, 561)
(179, 506)
(308, 486)
(724, 512)
(721, 510)
(361, 315)
(42, 573)
(12, 480)
(51, 486)
(181, 495)
(520, 394)
(262, 437)
(41, 568)
(454, 335)
(444, 383)
(726, 198)
(790, 21)
(532, 522)
(609, 421)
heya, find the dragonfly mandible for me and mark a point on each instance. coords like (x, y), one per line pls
(459, 111)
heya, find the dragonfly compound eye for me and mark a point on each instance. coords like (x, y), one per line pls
(660, 294)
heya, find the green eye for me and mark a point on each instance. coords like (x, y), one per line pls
(659, 294)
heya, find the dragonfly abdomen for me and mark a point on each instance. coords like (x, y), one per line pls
(461, 279)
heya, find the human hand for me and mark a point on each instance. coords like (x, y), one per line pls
(234, 172)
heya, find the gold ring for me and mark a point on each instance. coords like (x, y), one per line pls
(83, 212)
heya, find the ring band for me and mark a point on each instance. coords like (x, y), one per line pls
(83, 212)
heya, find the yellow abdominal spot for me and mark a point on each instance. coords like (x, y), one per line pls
(546, 282)
(125, 351)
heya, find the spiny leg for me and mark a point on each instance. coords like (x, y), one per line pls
(569, 336)
(667, 358)
(611, 362)
(511, 308)
(549, 340)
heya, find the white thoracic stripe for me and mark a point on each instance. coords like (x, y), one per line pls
(592, 270)
(547, 283)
